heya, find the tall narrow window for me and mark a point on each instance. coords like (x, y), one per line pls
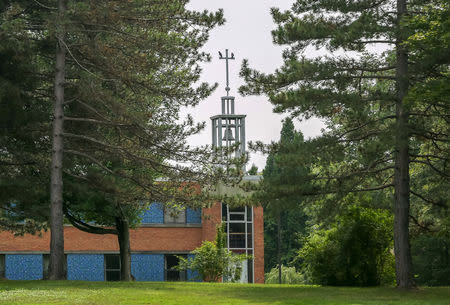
(239, 229)
(112, 267)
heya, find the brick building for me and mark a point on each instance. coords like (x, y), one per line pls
(161, 237)
(154, 246)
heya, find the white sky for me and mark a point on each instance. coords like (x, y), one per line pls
(246, 33)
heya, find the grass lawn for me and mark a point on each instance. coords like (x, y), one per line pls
(108, 293)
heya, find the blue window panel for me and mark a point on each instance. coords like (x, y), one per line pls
(193, 276)
(147, 267)
(85, 267)
(23, 266)
(193, 216)
(154, 214)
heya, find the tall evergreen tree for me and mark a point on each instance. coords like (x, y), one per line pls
(24, 121)
(429, 46)
(134, 65)
(280, 192)
(122, 70)
(360, 92)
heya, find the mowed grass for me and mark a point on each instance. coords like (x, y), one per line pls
(108, 293)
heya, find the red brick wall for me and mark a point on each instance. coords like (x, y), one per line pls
(166, 239)
(143, 239)
(211, 217)
(258, 244)
(159, 239)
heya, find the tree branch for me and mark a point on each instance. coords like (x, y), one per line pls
(430, 156)
(74, 152)
(369, 69)
(77, 223)
(4, 163)
(376, 188)
(365, 124)
(428, 200)
(431, 166)
(430, 136)
(45, 6)
(377, 41)
(89, 107)
(368, 135)
(417, 223)
(95, 121)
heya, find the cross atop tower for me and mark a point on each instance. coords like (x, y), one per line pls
(228, 128)
(227, 88)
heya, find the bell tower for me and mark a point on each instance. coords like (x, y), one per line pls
(228, 128)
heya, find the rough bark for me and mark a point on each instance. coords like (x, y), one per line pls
(402, 249)
(123, 236)
(56, 265)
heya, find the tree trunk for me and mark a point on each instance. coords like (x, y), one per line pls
(279, 249)
(56, 264)
(403, 263)
(123, 236)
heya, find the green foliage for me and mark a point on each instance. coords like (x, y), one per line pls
(141, 71)
(288, 276)
(285, 180)
(213, 261)
(285, 175)
(431, 257)
(355, 251)
(24, 126)
(89, 205)
(126, 69)
(385, 112)
(430, 49)
(293, 226)
(253, 170)
(130, 67)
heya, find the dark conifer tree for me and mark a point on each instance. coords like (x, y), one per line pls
(285, 180)
(360, 91)
(24, 127)
(119, 75)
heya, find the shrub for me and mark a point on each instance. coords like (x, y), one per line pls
(288, 276)
(212, 260)
(356, 251)
(431, 259)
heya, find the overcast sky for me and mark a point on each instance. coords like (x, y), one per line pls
(246, 33)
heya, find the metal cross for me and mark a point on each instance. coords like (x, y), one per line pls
(227, 88)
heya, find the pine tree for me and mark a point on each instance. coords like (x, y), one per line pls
(122, 72)
(134, 65)
(372, 136)
(23, 128)
(280, 192)
(430, 218)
